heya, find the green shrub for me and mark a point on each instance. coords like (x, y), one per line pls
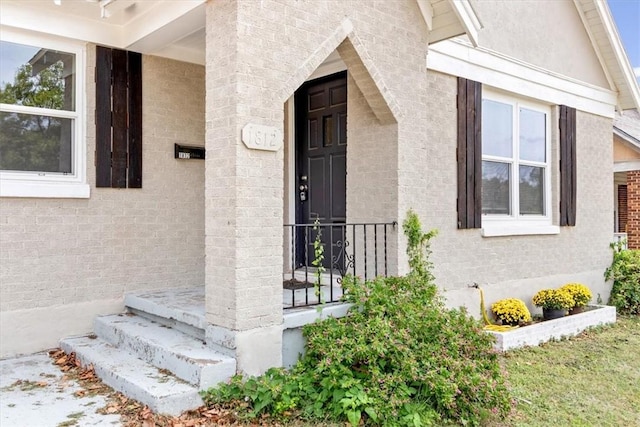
(625, 273)
(398, 358)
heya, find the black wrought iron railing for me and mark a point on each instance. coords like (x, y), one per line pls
(314, 276)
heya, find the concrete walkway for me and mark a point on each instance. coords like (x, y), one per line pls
(35, 393)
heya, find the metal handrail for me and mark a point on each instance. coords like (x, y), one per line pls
(345, 255)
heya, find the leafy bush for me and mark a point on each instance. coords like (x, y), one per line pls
(625, 273)
(580, 294)
(511, 311)
(553, 299)
(398, 358)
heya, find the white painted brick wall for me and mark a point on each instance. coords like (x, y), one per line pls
(260, 54)
(463, 256)
(274, 46)
(55, 252)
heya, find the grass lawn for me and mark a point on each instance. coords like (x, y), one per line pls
(590, 380)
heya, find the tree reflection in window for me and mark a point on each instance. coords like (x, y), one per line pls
(37, 138)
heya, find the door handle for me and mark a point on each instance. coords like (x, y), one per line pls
(303, 192)
(304, 188)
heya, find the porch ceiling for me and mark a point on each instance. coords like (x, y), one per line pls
(173, 29)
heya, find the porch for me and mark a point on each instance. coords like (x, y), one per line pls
(158, 353)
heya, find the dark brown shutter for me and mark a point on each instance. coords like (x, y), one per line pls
(469, 153)
(103, 117)
(135, 120)
(118, 118)
(567, 166)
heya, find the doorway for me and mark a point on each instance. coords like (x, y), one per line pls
(321, 167)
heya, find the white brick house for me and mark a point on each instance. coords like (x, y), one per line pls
(72, 247)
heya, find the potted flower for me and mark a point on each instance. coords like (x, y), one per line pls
(554, 302)
(511, 311)
(581, 296)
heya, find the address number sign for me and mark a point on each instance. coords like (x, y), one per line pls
(259, 137)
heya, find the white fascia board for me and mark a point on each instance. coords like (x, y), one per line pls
(620, 55)
(458, 58)
(33, 19)
(427, 13)
(162, 15)
(468, 18)
(633, 165)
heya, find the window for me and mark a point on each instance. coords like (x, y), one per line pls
(504, 163)
(515, 166)
(42, 148)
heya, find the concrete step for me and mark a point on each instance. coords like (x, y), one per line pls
(186, 357)
(162, 392)
(182, 309)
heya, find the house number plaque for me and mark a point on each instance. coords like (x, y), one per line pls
(259, 137)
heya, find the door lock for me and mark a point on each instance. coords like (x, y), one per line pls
(303, 188)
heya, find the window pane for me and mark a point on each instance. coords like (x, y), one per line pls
(532, 135)
(497, 129)
(495, 188)
(35, 143)
(36, 77)
(531, 190)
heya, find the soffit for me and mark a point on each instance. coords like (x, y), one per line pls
(173, 29)
(449, 18)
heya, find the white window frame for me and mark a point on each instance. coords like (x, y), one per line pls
(43, 184)
(516, 224)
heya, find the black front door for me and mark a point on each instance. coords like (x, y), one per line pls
(321, 164)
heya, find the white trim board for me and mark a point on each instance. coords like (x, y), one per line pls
(468, 18)
(632, 165)
(55, 185)
(459, 58)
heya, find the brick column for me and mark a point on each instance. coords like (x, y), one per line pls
(243, 198)
(633, 209)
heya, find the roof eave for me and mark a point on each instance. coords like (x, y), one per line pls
(627, 85)
(468, 18)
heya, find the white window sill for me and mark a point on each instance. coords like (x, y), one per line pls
(64, 190)
(518, 229)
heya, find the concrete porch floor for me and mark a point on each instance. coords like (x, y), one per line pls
(189, 303)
